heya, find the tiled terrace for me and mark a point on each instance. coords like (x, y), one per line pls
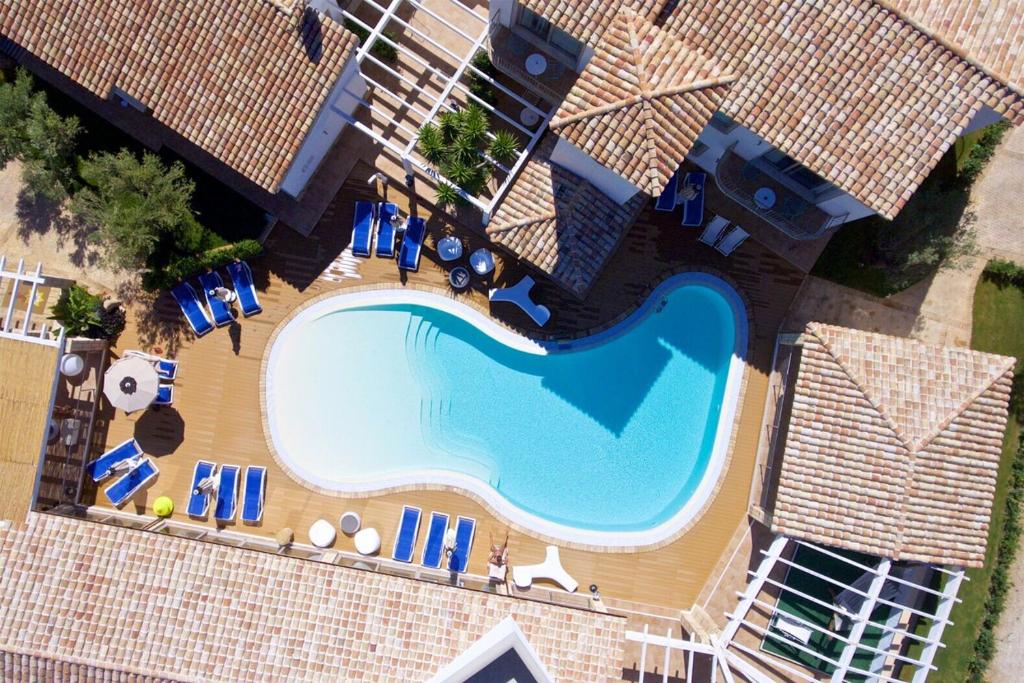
(217, 416)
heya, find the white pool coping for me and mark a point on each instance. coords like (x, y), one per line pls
(502, 506)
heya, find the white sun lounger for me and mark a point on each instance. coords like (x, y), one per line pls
(519, 294)
(791, 628)
(734, 239)
(551, 569)
(713, 232)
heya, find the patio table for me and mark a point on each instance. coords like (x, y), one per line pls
(765, 197)
(536, 64)
(449, 248)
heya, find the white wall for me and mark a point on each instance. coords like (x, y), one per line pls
(501, 11)
(985, 116)
(749, 146)
(574, 159)
(328, 125)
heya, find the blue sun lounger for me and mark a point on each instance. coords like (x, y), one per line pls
(434, 546)
(99, 469)
(362, 228)
(166, 369)
(220, 310)
(227, 494)
(193, 310)
(164, 395)
(199, 501)
(241, 277)
(405, 537)
(131, 483)
(385, 230)
(693, 209)
(412, 244)
(465, 528)
(667, 198)
(255, 492)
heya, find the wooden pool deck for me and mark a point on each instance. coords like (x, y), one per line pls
(216, 413)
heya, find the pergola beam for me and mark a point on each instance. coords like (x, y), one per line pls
(773, 553)
(946, 603)
(866, 608)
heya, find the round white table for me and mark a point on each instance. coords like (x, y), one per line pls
(322, 533)
(367, 541)
(764, 197)
(536, 64)
(449, 248)
(482, 261)
(529, 117)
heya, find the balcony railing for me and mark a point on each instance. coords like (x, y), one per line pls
(791, 213)
(508, 52)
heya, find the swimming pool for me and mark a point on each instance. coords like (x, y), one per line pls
(615, 440)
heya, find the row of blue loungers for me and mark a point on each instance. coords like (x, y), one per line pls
(192, 307)
(376, 217)
(433, 547)
(139, 471)
(227, 487)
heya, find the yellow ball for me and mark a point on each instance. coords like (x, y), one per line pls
(163, 506)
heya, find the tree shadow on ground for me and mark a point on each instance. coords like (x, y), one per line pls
(38, 215)
(160, 322)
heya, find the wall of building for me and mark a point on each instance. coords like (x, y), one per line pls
(749, 146)
(574, 159)
(343, 99)
(985, 116)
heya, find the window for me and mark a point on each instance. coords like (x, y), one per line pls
(534, 23)
(721, 122)
(565, 43)
(793, 169)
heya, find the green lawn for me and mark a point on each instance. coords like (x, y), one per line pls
(998, 328)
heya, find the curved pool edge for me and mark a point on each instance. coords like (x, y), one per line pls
(482, 492)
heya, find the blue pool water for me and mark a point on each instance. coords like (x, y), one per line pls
(611, 435)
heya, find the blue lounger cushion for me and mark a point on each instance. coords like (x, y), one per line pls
(227, 494)
(433, 548)
(99, 469)
(412, 244)
(241, 277)
(667, 198)
(693, 209)
(131, 483)
(362, 228)
(188, 300)
(164, 395)
(405, 537)
(220, 310)
(199, 501)
(167, 370)
(385, 230)
(465, 529)
(255, 492)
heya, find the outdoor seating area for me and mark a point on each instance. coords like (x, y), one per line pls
(218, 298)
(221, 486)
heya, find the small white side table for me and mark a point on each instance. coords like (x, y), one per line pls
(367, 541)
(350, 523)
(322, 533)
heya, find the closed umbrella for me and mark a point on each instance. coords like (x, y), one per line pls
(131, 384)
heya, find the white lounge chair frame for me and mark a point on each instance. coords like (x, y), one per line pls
(731, 241)
(551, 568)
(714, 230)
(519, 294)
(791, 628)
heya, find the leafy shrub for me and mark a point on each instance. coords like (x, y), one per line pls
(480, 86)
(381, 49)
(77, 310)
(1005, 273)
(188, 266)
(980, 154)
(112, 322)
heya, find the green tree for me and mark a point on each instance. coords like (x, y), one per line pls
(16, 101)
(141, 210)
(49, 152)
(457, 146)
(77, 311)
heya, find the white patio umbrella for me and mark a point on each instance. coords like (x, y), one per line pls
(131, 384)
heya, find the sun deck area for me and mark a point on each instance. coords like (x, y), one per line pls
(217, 408)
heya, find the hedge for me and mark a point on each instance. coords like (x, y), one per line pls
(985, 645)
(191, 265)
(1005, 273)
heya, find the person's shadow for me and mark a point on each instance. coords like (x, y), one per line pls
(235, 332)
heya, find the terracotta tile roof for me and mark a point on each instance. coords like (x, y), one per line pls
(586, 20)
(850, 89)
(234, 77)
(893, 446)
(641, 101)
(561, 223)
(990, 32)
(122, 600)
